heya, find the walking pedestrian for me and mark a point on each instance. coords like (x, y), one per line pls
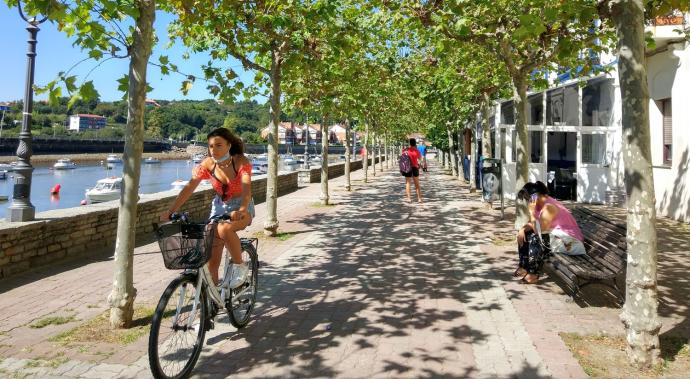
(409, 168)
(422, 152)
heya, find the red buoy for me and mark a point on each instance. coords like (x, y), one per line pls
(55, 190)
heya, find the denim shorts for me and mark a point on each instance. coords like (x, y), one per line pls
(219, 207)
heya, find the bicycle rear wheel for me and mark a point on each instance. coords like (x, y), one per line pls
(178, 329)
(241, 301)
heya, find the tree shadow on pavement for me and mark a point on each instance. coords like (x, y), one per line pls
(379, 290)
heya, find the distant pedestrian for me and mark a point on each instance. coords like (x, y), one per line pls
(422, 151)
(409, 168)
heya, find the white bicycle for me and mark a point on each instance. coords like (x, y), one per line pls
(190, 303)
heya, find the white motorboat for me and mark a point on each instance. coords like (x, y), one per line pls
(206, 183)
(260, 164)
(179, 184)
(113, 158)
(152, 160)
(6, 167)
(105, 190)
(197, 158)
(64, 164)
(256, 171)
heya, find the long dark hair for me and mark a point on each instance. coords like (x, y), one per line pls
(236, 144)
(530, 189)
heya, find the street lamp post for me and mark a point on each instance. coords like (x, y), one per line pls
(21, 208)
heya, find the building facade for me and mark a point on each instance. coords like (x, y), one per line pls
(575, 132)
(81, 122)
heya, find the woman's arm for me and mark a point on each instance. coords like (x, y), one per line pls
(548, 214)
(246, 180)
(246, 190)
(184, 195)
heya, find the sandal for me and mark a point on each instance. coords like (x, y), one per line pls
(519, 273)
(524, 279)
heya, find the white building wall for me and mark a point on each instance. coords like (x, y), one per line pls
(669, 76)
(74, 123)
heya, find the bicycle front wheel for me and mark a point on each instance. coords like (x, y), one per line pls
(242, 299)
(178, 329)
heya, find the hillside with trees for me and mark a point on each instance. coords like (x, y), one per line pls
(183, 120)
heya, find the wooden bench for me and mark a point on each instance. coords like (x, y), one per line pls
(606, 254)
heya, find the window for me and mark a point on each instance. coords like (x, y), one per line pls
(535, 146)
(597, 103)
(502, 153)
(562, 106)
(536, 110)
(507, 113)
(594, 148)
(667, 114)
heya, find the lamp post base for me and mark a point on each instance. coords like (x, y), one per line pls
(20, 214)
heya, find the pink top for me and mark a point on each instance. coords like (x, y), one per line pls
(414, 155)
(563, 221)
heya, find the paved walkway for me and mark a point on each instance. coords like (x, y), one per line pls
(370, 287)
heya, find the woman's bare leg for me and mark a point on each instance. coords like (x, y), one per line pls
(228, 234)
(407, 188)
(216, 255)
(417, 188)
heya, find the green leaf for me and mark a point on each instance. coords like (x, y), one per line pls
(70, 83)
(163, 60)
(123, 84)
(54, 96)
(96, 54)
(76, 97)
(186, 86)
(87, 91)
(230, 74)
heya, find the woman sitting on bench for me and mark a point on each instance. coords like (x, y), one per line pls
(565, 237)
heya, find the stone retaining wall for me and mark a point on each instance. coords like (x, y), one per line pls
(68, 233)
(337, 169)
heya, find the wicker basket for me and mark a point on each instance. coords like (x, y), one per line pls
(185, 245)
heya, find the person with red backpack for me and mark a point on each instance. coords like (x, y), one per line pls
(409, 168)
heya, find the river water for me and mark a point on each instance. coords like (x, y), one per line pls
(154, 178)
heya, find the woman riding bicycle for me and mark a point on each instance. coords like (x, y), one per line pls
(230, 174)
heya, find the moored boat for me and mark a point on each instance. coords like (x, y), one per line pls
(64, 164)
(179, 184)
(113, 158)
(197, 158)
(152, 160)
(105, 190)
(260, 165)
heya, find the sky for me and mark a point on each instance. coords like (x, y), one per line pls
(55, 53)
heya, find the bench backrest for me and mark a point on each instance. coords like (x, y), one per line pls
(604, 240)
